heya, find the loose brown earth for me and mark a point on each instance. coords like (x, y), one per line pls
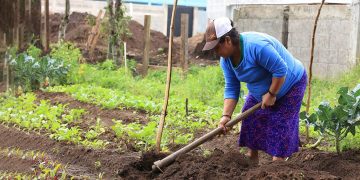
(78, 31)
(224, 162)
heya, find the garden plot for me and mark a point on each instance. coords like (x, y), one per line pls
(99, 121)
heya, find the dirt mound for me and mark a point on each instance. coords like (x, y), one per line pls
(79, 28)
(78, 31)
(217, 166)
(228, 163)
(197, 52)
(307, 164)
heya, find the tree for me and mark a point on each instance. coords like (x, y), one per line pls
(64, 21)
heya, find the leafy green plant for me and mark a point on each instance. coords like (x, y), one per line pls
(24, 113)
(33, 73)
(71, 56)
(336, 122)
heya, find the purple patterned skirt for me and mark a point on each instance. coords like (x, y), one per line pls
(274, 130)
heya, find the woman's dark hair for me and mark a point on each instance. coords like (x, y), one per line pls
(233, 34)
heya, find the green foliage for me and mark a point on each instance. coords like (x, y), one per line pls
(33, 73)
(71, 56)
(107, 65)
(143, 137)
(22, 112)
(34, 52)
(340, 120)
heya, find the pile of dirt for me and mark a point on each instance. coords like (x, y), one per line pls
(226, 162)
(198, 43)
(307, 164)
(79, 29)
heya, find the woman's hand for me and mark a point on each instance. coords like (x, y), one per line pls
(222, 123)
(268, 100)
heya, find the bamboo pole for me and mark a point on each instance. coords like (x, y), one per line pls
(168, 81)
(310, 67)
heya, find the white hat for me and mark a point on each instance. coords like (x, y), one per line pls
(215, 30)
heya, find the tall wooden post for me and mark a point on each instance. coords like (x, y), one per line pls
(16, 29)
(3, 50)
(147, 21)
(285, 28)
(125, 58)
(47, 28)
(168, 82)
(184, 55)
(310, 67)
(36, 21)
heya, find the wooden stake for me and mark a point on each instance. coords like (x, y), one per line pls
(6, 68)
(3, 75)
(94, 31)
(184, 55)
(310, 67)
(47, 27)
(16, 30)
(168, 81)
(147, 22)
(125, 59)
(6, 73)
(187, 106)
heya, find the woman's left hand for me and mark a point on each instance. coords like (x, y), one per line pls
(267, 100)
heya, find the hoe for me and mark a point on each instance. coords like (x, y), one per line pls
(158, 165)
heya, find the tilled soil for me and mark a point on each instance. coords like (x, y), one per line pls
(220, 164)
(93, 111)
(219, 158)
(80, 160)
(15, 164)
(226, 162)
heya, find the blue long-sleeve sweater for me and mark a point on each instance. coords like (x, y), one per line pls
(263, 57)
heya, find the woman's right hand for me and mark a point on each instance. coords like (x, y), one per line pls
(222, 123)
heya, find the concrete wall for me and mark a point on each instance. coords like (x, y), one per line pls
(158, 15)
(338, 29)
(251, 18)
(200, 21)
(333, 45)
(216, 8)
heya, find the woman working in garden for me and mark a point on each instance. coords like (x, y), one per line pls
(273, 76)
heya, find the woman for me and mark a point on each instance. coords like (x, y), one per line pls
(273, 76)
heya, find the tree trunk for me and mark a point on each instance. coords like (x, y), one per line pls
(112, 35)
(337, 143)
(65, 21)
(47, 30)
(118, 17)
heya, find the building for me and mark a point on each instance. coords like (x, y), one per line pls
(337, 46)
